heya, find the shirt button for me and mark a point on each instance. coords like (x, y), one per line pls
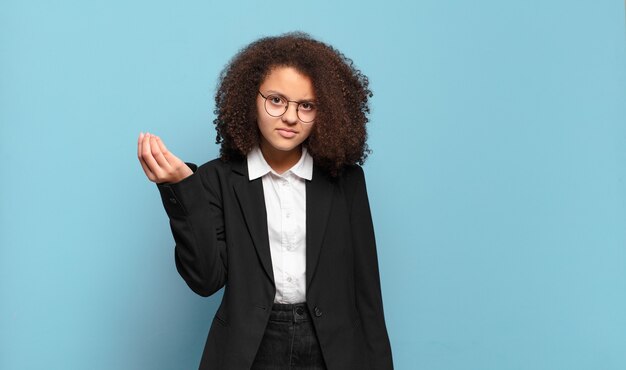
(289, 279)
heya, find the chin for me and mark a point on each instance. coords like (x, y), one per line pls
(284, 147)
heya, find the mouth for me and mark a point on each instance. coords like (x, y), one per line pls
(287, 133)
(287, 130)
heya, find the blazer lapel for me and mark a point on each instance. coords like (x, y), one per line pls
(319, 195)
(252, 202)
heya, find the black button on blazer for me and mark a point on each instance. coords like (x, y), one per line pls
(219, 224)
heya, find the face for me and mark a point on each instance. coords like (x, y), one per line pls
(287, 132)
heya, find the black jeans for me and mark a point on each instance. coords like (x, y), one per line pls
(289, 342)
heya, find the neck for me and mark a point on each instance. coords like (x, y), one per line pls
(279, 160)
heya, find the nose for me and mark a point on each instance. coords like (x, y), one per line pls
(291, 115)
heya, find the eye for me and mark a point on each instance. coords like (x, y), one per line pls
(307, 106)
(276, 100)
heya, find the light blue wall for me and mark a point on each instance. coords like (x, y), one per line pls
(497, 180)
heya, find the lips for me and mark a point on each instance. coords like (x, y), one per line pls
(286, 132)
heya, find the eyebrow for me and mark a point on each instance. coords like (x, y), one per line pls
(283, 95)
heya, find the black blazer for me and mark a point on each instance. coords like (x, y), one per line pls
(219, 223)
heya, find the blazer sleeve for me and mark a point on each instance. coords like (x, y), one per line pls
(194, 208)
(368, 291)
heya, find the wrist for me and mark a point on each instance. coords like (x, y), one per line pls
(183, 173)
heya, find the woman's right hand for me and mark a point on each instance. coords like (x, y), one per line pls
(160, 165)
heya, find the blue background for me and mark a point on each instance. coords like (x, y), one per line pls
(496, 181)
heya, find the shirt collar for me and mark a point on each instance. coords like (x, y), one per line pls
(258, 166)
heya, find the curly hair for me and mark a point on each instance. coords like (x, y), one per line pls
(338, 136)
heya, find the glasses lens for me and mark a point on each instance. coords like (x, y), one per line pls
(275, 105)
(306, 112)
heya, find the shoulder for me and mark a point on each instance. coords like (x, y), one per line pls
(216, 164)
(352, 175)
(214, 174)
(351, 180)
(220, 166)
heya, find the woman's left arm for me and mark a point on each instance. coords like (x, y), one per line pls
(367, 280)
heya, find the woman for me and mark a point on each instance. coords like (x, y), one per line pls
(282, 218)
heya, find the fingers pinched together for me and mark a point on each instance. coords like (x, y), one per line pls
(159, 164)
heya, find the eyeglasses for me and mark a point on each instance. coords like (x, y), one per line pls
(276, 105)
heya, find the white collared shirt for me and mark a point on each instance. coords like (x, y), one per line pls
(285, 203)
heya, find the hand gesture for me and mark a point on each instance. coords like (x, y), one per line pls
(160, 165)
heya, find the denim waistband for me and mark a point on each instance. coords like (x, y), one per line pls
(289, 312)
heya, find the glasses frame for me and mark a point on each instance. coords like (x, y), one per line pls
(287, 106)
